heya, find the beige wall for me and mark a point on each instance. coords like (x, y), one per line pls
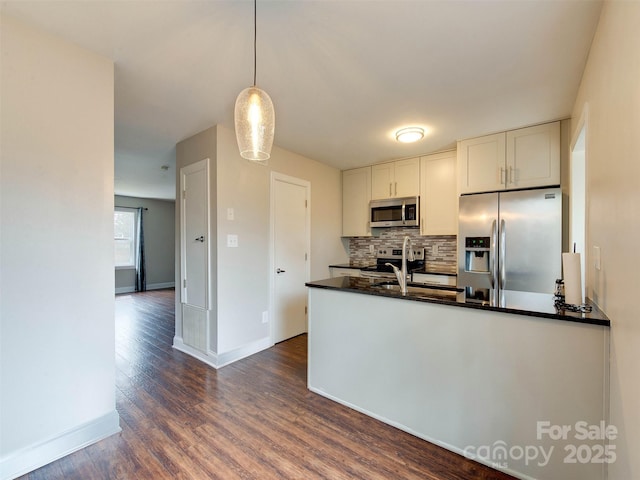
(57, 346)
(609, 100)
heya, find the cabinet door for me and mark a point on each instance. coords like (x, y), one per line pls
(356, 194)
(434, 279)
(533, 156)
(406, 177)
(481, 164)
(438, 194)
(344, 272)
(382, 181)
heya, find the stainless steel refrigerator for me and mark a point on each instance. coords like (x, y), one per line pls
(510, 241)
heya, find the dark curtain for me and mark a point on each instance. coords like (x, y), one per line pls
(141, 272)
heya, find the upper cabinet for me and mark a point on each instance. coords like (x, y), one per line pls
(524, 158)
(438, 194)
(356, 194)
(395, 179)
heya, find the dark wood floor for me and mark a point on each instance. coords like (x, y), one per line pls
(254, 419)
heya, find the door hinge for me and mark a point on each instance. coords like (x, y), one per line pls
(184, 194)
(305, 310)
(305, 257)
(184, 283)
(305, 204)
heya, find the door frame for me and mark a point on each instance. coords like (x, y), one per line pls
(194, 167)
(578, 172)
(281, 177)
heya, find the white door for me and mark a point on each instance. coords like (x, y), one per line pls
(290, 227)
(195, 233)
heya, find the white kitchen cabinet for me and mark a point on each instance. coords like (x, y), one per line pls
(524, 158)
(396, 179)
(438, 194)
(356, 194)
(481, 163)
(533, 156)
(434, 279)
(344, 272)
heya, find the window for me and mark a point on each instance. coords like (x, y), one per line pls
(125, 237)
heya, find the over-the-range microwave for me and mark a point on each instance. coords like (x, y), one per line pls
(395, 212)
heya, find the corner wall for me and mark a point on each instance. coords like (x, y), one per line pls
(609, 98)
(241, 275)
(57, 341)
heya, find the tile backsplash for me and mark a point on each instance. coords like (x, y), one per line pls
(445, 259)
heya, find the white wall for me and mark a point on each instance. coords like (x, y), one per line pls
(242, 274)
(243, 186)
(159, 243)
(609, 96)
(57, 367)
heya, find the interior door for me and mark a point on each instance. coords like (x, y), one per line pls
(195, 234)
(290, 223)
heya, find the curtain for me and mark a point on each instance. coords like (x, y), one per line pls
(141, 272)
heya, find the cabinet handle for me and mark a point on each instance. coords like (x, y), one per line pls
(390, 189)
(511, 169)
(396, 189)
(503, 176)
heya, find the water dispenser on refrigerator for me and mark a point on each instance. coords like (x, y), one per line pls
(477, 250)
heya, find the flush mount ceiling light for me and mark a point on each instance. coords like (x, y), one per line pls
(254, 115)
(409, 134)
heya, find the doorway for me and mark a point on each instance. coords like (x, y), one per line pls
(578, 201)
(290, 245)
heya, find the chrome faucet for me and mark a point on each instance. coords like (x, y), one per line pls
(401, 274)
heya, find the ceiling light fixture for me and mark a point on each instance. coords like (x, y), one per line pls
(254, 115)
(409, 134)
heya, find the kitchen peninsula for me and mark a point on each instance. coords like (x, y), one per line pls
(475, 378)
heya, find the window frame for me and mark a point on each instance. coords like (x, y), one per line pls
(133, 211)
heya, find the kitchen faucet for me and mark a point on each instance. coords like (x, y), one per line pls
(401, 274)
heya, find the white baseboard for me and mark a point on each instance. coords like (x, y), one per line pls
(151, 286)
(218, 360)
(404, 428)
(28, 459)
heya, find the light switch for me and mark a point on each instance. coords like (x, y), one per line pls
(232, 241)
(230, 214)
(597, 263)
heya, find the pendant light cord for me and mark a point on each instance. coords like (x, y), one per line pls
(255, 36)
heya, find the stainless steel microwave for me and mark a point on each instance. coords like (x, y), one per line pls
(395, 212)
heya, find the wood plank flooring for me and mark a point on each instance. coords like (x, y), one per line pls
(254, 419)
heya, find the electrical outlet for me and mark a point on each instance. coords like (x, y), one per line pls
(435, 250)
(597, 262)
(265, 317)
(232, 241)
(372, 249)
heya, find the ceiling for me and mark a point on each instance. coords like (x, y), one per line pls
(343, 74)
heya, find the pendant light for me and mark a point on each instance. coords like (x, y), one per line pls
(254, 115)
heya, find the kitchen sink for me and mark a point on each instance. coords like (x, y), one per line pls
(421, 290)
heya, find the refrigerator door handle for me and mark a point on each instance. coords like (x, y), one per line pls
(492, 255)
(503, 255)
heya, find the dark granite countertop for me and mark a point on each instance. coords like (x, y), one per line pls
(434, 271)
(348, 265)
(520, 303)
(425, 270)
